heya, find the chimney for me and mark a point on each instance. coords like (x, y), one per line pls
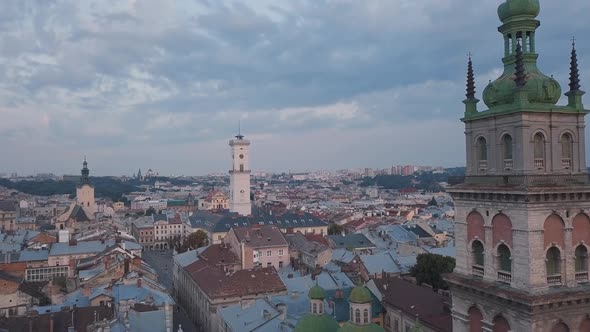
(85, 290)
(282, 308)
(138, 282)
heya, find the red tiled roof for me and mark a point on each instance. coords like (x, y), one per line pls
(317, 238)
(217, 284)
(432, 308)
(219, 254)
(261, 236)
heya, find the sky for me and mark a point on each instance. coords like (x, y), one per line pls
(316, 84)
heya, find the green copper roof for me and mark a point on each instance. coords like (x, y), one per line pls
(314, 323)
(518, 8)
(360, 294)
(317, 293)
(351, 327)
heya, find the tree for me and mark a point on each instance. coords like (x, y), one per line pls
(334, 229)
(150, 211)
(193, 241)
(429, 269)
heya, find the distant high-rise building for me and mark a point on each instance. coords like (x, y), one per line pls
(85, 192)
(239, 177)
(522, 224)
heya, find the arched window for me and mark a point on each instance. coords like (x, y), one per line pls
(366, 316)
(315, 309)
(321, 308)
(507, 152)
(539, 150)
(477, 249)
(500, 324)
(581, 259)
(553, 266)
(475, 320)
(357, 316)
(504, 259)
(561, 327)
(567, 150)
(482, 154)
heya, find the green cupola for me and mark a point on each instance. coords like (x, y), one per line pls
(360, 294)
(518, 28)
(316, 319)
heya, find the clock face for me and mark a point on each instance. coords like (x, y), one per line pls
(241, 156)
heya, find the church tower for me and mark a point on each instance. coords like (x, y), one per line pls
(85, 192)
(522, 211)
(239, 177)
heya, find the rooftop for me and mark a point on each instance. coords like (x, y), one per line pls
(354, 241)
(260, 236)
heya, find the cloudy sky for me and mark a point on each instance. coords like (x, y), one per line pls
(317, 84)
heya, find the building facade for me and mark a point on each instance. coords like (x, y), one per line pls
(239, 180)
(522, 224)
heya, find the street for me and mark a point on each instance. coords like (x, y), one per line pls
(163, 263)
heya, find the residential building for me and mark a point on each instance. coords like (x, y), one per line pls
(215, 200)
(307, 255)
(406, 304)
(522, 228)
(214, 280)
(143, 232)
(358, 243)
(8, 214)
(259, 246)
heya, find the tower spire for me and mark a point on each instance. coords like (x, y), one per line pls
(239, 135)
(574, 73)
(470, 80)
(520, 73)
(470, 101)
(575, 94)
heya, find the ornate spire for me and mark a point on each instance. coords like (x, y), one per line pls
(574, 73)
(85, 173)
(520, 73)
(470, 80)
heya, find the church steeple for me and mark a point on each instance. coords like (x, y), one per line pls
(470, 100)
(85, 173)
(575, 94)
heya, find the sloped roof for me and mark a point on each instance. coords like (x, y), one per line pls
(350, 241)
(259, 237)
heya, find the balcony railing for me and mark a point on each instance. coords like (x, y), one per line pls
(566, 163)
(508, 164)
(478, 270)
(505, 277)
(582, 276)
(554, 279)
(539, 163)
(483, 165)
(523, 180)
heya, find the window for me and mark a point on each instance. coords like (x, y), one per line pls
(366, 316)
(315, 308)
(477, 249)
(241, 167)
(268, 253)
(357, 316)
(482, 154)
(507, 152)
(581, 259)
(281, 252)
(553, 262)
(395, 325)
(539, 150)
(504, 259)
(567, 149)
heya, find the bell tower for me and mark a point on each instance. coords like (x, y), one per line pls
(85, 192)
(522, 210)
(239, 176)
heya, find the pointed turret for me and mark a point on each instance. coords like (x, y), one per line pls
(470, 101)
(85, 173)
(575, 94)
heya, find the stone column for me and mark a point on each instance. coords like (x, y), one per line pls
(569, 260)
(489, 256)
(506, 46)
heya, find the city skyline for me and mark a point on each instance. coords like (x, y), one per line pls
(323, 85)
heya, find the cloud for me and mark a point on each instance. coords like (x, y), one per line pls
(316, 83)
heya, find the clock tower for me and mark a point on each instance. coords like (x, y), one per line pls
(239, 177)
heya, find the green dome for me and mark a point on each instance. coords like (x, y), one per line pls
(513, 8)
(360, 294)
(351, 327)
(317, 293)
(314, 323)
(541, 88)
